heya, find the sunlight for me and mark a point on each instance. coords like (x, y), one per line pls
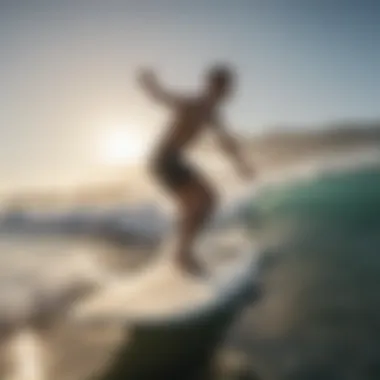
(28, 354)
(122, 147)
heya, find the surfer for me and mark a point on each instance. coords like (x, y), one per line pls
(192, 115)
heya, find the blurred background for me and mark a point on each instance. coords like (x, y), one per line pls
(76, 131)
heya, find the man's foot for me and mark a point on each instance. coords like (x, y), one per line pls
(189, 265)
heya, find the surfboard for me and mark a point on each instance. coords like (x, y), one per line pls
(162, 293)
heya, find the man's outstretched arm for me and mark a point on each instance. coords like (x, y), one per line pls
(233, 149)
(150, 84)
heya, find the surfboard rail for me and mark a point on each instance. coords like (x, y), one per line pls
(178, 345)
(172, 350)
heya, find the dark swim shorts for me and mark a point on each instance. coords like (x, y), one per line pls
(173, 170)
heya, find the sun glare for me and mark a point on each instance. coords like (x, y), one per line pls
(122, 147)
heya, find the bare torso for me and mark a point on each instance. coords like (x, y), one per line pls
(190, 119)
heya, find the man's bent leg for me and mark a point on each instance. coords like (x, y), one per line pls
(196, 206)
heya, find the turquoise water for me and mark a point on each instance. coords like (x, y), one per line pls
(320, 312)
(346, 197)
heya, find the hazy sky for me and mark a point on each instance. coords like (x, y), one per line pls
(67, 70)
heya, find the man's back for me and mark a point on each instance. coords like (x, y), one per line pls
(190, 118)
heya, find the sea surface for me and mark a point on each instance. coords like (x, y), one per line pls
(318, 317)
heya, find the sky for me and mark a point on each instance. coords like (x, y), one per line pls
(68, 67)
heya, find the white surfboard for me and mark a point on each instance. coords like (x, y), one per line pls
(162, 293)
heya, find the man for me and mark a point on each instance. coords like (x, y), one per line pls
(192, 115)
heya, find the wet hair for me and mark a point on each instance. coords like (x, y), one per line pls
(220, 76)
